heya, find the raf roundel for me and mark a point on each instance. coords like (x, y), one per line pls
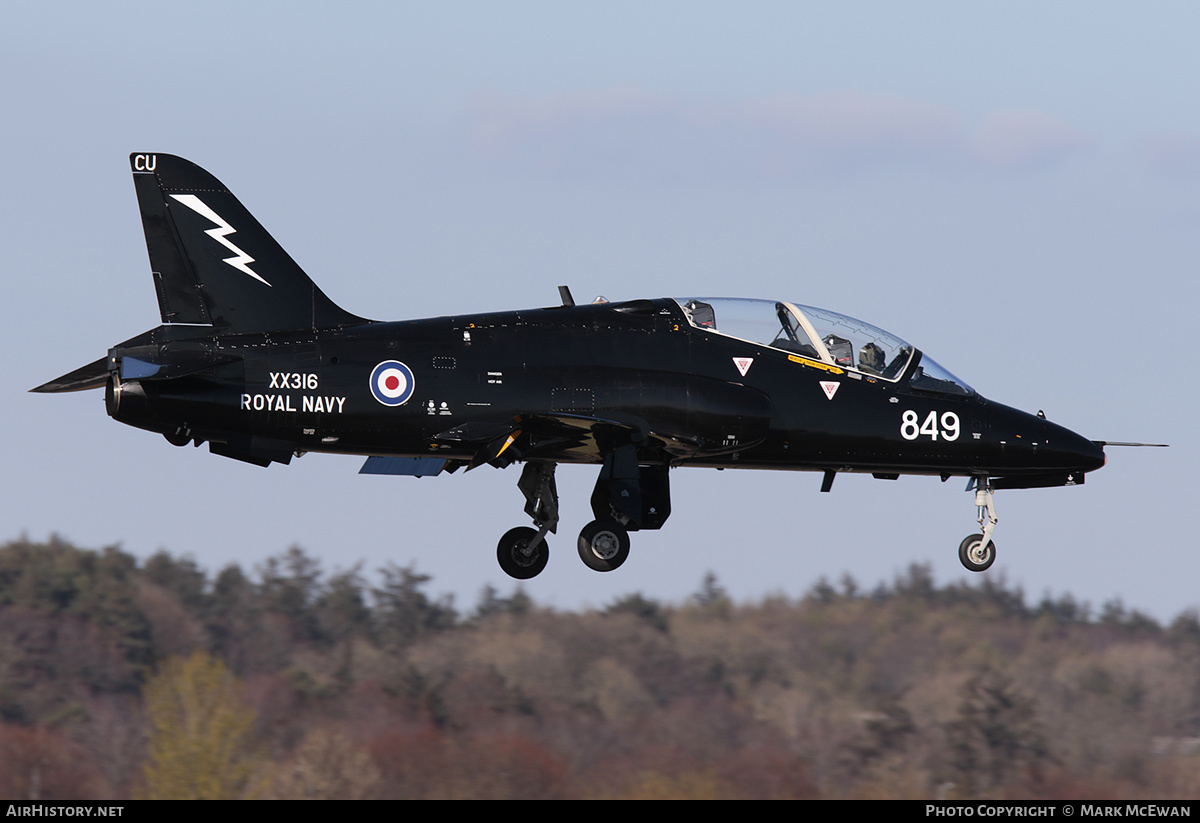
(392, 383)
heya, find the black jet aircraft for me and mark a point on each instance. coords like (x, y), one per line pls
(255, 360)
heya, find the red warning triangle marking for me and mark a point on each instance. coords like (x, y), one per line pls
(743, 364)
(830, 387)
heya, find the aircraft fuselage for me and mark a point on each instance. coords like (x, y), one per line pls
(639, 364)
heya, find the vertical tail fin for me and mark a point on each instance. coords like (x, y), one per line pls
(215, 264)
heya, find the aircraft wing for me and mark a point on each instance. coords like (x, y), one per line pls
(501, 443)
(559, 436)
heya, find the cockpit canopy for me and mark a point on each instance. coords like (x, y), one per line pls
(819, 334)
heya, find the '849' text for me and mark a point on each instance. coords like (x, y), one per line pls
(912, 427)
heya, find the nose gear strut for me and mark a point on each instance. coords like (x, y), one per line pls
(977, 552)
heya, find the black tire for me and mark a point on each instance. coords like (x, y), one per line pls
(603, 545)
(975, 556)
(514, 555)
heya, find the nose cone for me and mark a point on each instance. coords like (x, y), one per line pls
(1064, 449)
(1033, 452)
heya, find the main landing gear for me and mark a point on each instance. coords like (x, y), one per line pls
(627, 498)
(603, 545)
(523, 552)
(977, 552)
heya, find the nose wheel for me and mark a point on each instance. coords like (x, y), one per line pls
(977, 552)
(976, 555)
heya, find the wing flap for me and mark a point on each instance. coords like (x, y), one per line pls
(409, 466)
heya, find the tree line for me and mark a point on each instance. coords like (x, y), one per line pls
(121, 678)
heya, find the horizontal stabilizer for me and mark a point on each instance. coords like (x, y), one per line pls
(411, 466)
(92, 376)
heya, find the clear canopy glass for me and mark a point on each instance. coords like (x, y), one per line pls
(819, 334)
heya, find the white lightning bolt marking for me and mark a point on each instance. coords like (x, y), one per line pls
(240, 259)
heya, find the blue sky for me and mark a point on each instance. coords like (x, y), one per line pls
(1011, 187)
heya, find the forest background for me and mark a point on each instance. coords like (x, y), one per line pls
(125, 679)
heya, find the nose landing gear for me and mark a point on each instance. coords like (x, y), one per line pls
(977, 552)
(974, 554)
